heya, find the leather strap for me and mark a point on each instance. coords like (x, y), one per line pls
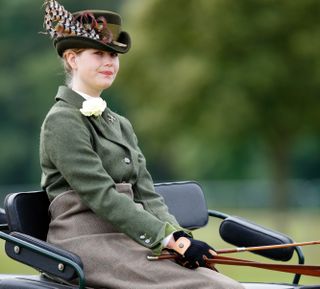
(310, 270)
(181, 245)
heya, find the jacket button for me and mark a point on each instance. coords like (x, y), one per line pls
(127, 160)
(142, 237)
(147, 241)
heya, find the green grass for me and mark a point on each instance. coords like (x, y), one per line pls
(9, 266)
(300, 225)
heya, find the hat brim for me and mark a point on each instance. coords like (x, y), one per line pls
(69, 42)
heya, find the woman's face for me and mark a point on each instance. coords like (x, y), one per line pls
(93, 70)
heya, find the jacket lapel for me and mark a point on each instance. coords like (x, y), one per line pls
(68, 95)
(107, 124)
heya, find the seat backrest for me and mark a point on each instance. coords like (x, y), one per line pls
(186, 202)
(27, 212)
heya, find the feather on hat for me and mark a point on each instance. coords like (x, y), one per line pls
(99, 29)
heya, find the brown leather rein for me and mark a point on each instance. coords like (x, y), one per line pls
(310, 270)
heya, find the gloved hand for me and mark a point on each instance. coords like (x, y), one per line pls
(192, 253)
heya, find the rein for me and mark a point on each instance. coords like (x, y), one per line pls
(267, 247)
(310, 270)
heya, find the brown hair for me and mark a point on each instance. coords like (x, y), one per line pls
(66, 65)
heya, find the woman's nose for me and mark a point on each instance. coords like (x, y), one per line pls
(108, 60)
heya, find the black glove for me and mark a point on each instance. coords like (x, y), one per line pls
(195, 255)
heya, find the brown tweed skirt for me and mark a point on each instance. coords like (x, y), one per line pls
(114, 261)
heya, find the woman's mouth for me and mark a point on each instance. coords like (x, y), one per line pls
(106, 72)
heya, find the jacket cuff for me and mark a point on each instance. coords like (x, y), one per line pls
(169, 230)
(166, 240)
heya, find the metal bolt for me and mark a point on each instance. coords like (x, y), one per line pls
(60, 267)
(16, 249)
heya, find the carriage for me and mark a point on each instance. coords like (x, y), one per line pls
(24, 225)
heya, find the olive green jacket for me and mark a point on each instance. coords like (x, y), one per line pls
(90, 155)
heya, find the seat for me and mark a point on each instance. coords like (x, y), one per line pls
(27, 212)
(28, 220)
(185, 200)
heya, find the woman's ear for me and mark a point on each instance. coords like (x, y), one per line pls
(71, 58)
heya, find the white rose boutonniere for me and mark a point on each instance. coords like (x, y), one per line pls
(94, 106)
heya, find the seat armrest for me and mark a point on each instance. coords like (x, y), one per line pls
(243, 233)
(56, 261)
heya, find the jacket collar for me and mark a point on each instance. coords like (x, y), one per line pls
(110, 129)
(68, 95)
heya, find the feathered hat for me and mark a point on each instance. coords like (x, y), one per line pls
(97, 29)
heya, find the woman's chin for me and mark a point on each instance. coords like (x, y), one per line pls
(105, 85)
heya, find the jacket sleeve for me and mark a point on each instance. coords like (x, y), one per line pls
(66, 142)
(152, 201)
(144, 186)
(146, 194)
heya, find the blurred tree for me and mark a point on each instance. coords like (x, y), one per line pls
(208, 80)
(211, 85)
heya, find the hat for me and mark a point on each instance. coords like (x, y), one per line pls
(98, 29)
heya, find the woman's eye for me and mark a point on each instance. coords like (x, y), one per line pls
(102, 53)
(98, 52)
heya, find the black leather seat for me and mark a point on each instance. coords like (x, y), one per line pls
(186, 202)
(28, 221)
(27, 213)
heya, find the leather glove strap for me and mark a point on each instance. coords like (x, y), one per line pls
(181, 245)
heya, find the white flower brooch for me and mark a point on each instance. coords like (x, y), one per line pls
(93, 106)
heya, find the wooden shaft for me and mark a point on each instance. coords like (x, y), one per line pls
(309, 270)
(297, 269)
(242, 249)
(267, 247)
(162, 257)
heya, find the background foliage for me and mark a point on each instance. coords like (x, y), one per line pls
(234, 90)
(218, 89)
(221, 91)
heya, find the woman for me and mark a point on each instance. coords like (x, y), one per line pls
(103, 204)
